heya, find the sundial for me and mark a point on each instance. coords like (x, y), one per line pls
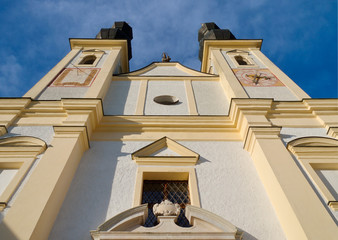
(257, 78)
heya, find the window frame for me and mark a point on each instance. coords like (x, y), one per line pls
(90, 52)
(169, 174)
(245, 56)
(18, 153)
(317, 153)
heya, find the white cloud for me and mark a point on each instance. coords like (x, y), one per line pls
(10, 77)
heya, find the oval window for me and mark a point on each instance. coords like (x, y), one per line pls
(166, 99)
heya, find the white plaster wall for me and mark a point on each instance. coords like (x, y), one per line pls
(210, 98)
(277, 93)
(121, 98)
(174, 88)
(228, 184)
(56, 93)
(165, 71)
(289, 134)
(45, 133)
(230, 187)
(102, 187)
(6, 176)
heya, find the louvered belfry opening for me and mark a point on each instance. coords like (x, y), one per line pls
(157, 191)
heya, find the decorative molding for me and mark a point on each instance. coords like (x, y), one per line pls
(129, 225)
(141, 98)
(333, 132)
(227, 44)
(190, 98)
(72, 132)
(87, 44)
(18, 153)
(255, 133)
(317, 153)
(166, 208)
(333, 205)
(3, 130)
(144, 155)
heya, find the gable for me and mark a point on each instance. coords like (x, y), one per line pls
(165, 151)
(167, 69)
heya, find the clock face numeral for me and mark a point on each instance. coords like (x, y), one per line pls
(257, 78)
(75, 77)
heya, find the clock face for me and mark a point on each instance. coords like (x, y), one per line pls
(257, 78)
(75, 77)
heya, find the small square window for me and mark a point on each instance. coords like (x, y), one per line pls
(157, 191)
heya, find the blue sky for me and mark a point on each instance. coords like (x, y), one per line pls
(299, 36)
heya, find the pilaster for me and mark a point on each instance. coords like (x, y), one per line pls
(37, 205)
(301, 213)
(325, 110)
(43, 83)
(291, 85)
(232, 87)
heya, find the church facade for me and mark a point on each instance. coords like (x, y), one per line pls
(234, 151)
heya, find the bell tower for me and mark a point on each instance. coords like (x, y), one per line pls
(245, 72)
(86, 71)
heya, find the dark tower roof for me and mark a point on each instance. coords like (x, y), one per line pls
(120, 30)
(210, 31)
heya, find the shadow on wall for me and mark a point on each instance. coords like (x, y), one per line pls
(246, 235)
(116, 100)
(6, 233)
(85, 206)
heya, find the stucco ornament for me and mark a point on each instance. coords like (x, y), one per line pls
(166, 208)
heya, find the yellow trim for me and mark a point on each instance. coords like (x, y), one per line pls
(228, 44)
(334, 205)
(317, 153)
(166, 173)
(325, 111)
(190, 98)
(141, 97)
(229, 82)
(18, 153)
(102, 82)
(3, 130)
(35, 208)
(333, 132)
(291, 85)
(300, 211)
(43, 83)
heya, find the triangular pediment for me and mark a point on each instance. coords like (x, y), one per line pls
(165, 151)
(174, 69)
